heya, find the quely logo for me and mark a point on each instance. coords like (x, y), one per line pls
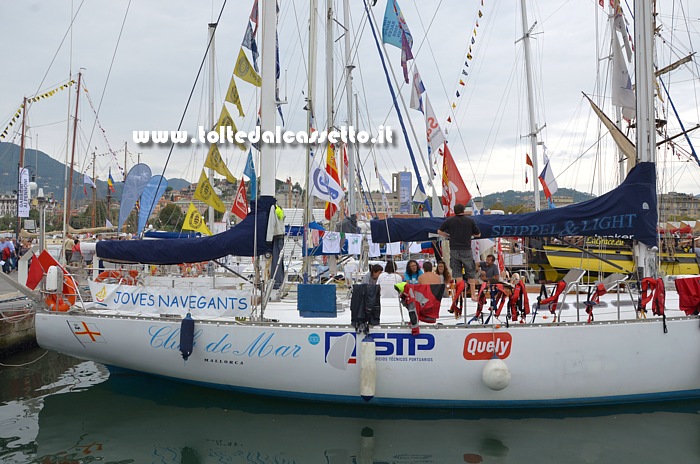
(482, 346)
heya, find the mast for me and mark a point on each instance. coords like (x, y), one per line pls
(352, 152)
(268, 99)
(72, 155)
(310, 102)
(646, 135)
(212, 70)
(21, 163)
(527, 30)
(94, 191)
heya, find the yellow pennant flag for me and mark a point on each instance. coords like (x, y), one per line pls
(194, 221)
(233, 97)
(205, 192)
(245, 71)
(215, 162)
(225, 120)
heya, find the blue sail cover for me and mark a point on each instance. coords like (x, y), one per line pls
(627, 212)
(239, 240)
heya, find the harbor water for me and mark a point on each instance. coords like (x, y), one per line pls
(62, 410)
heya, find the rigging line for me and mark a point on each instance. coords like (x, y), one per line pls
(70, 28)
(189, 99)
(109, 72)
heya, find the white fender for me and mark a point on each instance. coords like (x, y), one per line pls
(368, 368)
(496, 374)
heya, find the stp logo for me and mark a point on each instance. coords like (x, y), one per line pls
(482, 346)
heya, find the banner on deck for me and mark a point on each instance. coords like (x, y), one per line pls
(162, 300)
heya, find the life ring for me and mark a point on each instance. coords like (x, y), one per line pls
(123, 278)
(63, 301)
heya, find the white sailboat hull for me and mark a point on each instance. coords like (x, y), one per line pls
(562, 365)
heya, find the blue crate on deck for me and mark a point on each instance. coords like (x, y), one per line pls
(315, 300)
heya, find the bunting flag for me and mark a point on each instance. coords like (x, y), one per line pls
(254, 16)
(406, 56)
(249, 172)
(232, 96)
(33, 99)
(88, 181)
(108, 223)
(194, 221)
(528, 161)
(395, 26)
(205, 192)
(215, 162)
(549, 183)
(417, 91)
(245, 71)
(250, 43)
(225, 120)
(332, 170)
(240, 203)
(322, 185)
(110, 182)
(461, 82)
(454, 191)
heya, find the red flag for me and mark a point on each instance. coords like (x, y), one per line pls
(240, 203)
(36, 273)
(332, 170)
(454, 190)
(501, 257)
(528, 161)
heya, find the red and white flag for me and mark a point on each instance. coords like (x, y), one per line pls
(240, 203)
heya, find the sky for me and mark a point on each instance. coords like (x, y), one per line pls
(140, 78)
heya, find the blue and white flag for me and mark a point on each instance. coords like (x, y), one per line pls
(323, 186)
(249, 172)
(393, 25)
(250, 43)
(417, 90)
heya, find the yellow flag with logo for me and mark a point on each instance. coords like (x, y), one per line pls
(233, 97)
(205, 192)
(215, 162)
(225, 120)
(194, 221)
(245, 71)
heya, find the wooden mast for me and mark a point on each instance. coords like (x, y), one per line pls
(72, 155)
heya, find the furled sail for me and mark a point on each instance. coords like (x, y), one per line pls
(627, 212)
(244, 239)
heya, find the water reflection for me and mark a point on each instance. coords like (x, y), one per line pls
(77, 417)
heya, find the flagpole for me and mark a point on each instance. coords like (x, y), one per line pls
(310, 102)
(352, 207)
(382, 53)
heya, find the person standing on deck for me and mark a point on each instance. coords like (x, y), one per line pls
(460, 229)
